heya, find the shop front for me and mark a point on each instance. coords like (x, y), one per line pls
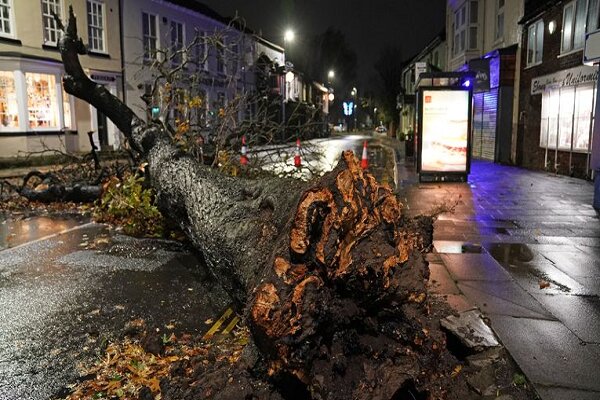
(106, 134)
(36, 114)
(567, 115)
(492, 105)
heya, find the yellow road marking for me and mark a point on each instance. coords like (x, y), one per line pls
(218, 324)
(231, 325)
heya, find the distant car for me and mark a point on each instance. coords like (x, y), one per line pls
(338, 128)
(381, 129)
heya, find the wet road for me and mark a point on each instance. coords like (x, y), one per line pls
(322, 155)
(64, 297)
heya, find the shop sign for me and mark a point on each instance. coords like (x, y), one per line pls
(420, 68)
(481, 68)
(103, 78)
(568, 77)
(445, 131)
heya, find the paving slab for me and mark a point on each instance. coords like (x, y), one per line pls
(457, 302)
(504, 298)
(474, 267)
(549, 353)
(440, 280)
(581, 314)
(575, 263)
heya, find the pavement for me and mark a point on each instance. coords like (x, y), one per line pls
(524, 248)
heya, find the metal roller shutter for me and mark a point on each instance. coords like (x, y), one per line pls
(485, 112)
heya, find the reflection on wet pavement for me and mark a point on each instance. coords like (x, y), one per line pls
(22, 229)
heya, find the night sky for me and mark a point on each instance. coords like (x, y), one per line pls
(369, 25)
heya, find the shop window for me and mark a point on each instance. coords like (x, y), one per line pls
(535, 43)
(579, 17)
(6, 18)
(67, 118)
(565, 129)
(150, 36)
(95, 14)
(584, 99)
(567, 113)
(51, 31)
(9, 109)
(177, 41)
(42, 101)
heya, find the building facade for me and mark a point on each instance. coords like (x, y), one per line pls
(484, 37)
(36, 114)
(431, 59)
(558, 92)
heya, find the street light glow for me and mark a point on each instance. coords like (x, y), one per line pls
(289, 36)
(331, 74)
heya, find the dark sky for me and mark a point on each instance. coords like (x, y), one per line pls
(369, 25)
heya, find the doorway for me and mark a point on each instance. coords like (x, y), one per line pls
(102, 129)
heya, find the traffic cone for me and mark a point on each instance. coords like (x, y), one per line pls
(244, 157)
(364, 163)
(297, 158)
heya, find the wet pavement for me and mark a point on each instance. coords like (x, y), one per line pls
(524, 248)
(19, 229)
(65, 296)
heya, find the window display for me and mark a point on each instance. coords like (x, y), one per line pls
(568, 113)
(9, 109)
(42, 101)
(67, 121)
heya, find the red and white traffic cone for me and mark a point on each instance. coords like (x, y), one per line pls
(364, 163)
(244, 157)
(297, 158)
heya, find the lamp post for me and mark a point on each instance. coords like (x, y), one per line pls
(355, 98)
(288, 37)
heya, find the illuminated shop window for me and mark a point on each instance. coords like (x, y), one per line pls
(567, 112)
(67, 121)
(9, 109)
(42, 101)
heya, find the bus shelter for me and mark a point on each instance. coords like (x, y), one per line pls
(443, 146)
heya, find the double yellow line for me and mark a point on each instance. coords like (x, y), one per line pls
(228, 315)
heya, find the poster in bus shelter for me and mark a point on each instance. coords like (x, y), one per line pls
(445, 130)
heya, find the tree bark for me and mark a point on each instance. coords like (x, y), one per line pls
(330, 277)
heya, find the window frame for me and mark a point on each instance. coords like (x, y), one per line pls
(500, 12)
(45, 29)
(586, 29)
(463, 24)
(11, 21)
(221, 57)
(146, 56)
(183, 60)
(102, 28)
(15, 87)
(533, 28)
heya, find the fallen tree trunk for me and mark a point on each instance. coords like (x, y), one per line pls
(330, 276)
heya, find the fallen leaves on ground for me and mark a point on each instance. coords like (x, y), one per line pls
(544, 284)
(126, 367)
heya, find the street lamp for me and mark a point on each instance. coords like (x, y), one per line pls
(289, 36)
(331, 75)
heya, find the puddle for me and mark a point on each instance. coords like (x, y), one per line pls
(14, 232)
(527, 264)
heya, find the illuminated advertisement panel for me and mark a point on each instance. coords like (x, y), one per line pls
(445, 131)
